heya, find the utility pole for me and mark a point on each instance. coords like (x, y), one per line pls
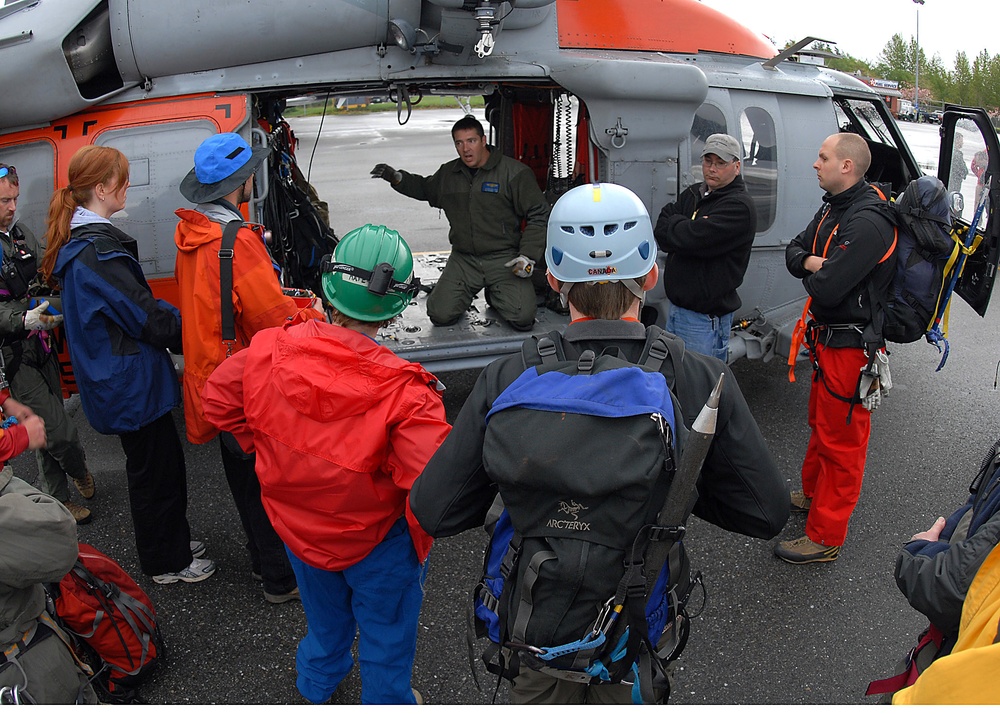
(916, 93)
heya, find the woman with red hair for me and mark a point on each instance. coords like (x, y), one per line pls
(118, 336)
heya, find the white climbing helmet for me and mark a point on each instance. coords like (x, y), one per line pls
(600, 232)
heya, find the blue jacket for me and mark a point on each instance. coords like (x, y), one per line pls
(117, 331)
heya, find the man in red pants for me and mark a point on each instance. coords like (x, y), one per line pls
(845, 253)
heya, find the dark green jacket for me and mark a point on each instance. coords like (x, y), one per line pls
(12, 310)
(485, 210)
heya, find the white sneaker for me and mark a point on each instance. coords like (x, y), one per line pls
(197, 549)
(200, 569)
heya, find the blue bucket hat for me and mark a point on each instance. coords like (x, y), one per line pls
(222, 163)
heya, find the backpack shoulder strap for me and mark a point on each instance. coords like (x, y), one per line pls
(656, 349)
(544, 349)
(876, 299)
(226, 279)
(664, 348)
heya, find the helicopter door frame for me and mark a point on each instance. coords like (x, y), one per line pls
(977, 135)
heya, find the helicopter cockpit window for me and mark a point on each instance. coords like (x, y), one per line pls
(867, 119)
(760, 163)
(709, 120)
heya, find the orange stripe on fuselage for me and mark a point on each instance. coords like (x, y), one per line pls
(681, 26)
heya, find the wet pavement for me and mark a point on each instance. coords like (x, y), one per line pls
(770, 633)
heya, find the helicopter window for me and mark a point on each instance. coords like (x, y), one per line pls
(760, 163)
(967, 171)
(707, 121)
(862, 117)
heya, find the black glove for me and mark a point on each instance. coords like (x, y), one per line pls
(387, 173)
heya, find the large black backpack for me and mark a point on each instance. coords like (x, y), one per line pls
(926, 256)
(297, 218)
(584, 450)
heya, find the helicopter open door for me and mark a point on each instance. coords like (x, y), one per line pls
(968, 165)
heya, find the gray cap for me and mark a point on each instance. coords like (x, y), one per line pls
(723, 146)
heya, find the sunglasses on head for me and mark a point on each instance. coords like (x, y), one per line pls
(5, 170)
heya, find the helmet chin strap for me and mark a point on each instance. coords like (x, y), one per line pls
(635, 287)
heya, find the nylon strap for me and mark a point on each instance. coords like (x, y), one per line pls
(226, 282)
(891, 685)
(525, 606)
(130, 609)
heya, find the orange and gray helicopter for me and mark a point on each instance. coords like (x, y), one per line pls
(622, 91)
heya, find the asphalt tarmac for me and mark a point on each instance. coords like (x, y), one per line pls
(770, 633)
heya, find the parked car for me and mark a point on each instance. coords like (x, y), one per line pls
(930, 117)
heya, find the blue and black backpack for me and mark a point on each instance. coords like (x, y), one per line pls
(578, 580)
(926, 255)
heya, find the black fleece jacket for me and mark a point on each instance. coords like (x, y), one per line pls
(707, 239)
(741, 488)
(852, 248)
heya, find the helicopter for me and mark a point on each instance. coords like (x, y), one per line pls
(621, 91)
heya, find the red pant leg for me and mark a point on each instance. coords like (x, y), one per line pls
(811, 462)
(835, 458)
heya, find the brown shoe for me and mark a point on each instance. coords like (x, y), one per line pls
(82, 514)
(800, 502)
(283, 597)
(85, 485)
(803, 550)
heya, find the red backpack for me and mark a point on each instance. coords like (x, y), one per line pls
(114, 623)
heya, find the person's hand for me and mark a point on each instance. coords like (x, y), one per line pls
(36, 431)
(813, 263)
(14, 408)
(387, 173)
(933, 533)
(36, 319)
(521, 266)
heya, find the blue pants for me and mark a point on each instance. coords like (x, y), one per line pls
(379, 598)
(701, 333)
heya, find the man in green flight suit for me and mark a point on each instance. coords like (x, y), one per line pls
(487, 197)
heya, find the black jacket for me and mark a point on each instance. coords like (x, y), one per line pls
(741, 488)
(853, 249)
(708, 241)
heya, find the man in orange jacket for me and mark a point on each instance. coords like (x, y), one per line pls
(220, 182)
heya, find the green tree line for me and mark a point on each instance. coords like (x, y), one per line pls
(974, 82)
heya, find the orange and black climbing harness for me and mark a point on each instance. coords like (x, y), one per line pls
(810, 332)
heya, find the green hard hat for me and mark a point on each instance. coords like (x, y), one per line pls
(369, 275)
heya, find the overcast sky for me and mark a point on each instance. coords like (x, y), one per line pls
(861, 28)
